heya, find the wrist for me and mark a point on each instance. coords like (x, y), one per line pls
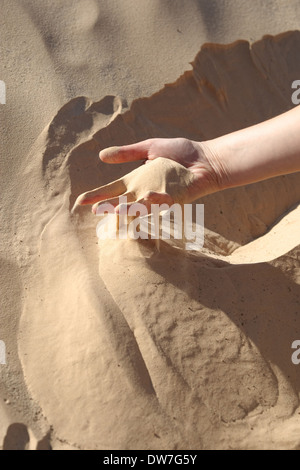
(212, 154)
(231, 156)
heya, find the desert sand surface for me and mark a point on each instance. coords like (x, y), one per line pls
(114, 344)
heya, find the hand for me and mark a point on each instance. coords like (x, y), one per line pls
(177, 170)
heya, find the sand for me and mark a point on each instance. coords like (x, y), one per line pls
(113, 344)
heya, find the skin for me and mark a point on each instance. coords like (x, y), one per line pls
(259, 152)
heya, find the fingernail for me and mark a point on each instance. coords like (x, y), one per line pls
(74, 208)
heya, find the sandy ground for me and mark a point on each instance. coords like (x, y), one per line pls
(114, 344)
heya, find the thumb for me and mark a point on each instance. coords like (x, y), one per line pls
(126, 153)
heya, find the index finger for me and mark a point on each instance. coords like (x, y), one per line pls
(116, 188)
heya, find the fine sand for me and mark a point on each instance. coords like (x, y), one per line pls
(114, 344)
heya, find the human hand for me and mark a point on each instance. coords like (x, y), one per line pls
(177, 171)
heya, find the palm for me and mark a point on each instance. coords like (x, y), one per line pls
(176, 171)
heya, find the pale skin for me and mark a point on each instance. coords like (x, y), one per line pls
(257, 153)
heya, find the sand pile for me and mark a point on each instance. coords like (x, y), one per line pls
(112, 344)
(125, 347)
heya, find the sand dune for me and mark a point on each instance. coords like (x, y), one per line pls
(112, 344)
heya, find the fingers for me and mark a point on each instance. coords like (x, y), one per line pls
(126, 153)
(105, 206)
(150, 198)
(104, 192)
